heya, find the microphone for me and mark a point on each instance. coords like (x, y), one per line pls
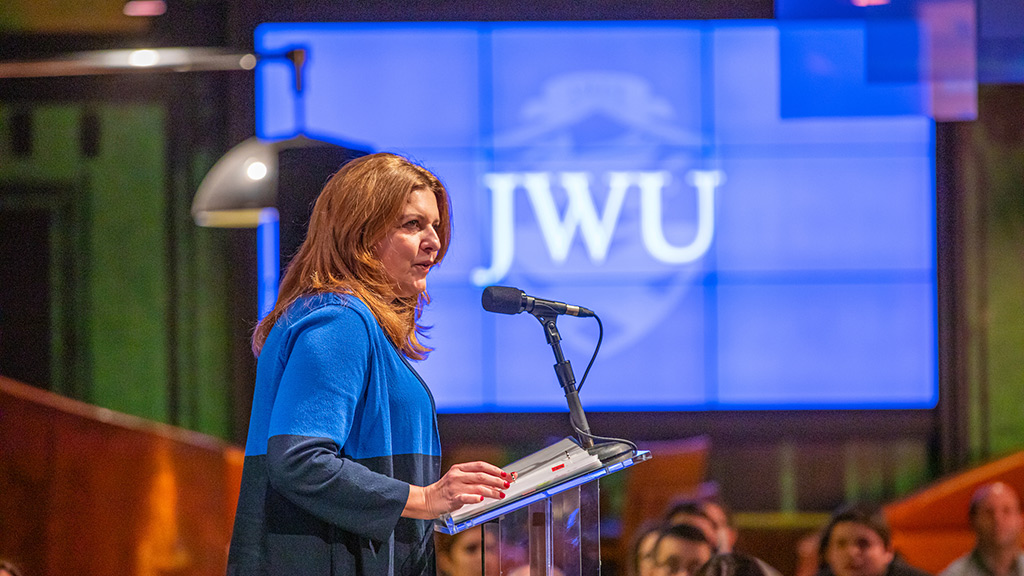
(508, 300)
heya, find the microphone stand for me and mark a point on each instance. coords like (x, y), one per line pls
(566, 378)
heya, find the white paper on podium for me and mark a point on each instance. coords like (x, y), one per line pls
(561, 461)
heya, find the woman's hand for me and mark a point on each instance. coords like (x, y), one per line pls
(463, 484)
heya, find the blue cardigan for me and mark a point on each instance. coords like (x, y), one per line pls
(341, 425)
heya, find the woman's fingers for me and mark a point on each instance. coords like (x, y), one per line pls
(467, 483)
(478, 484)
(482, 467)
(481, 479)
(473, 499)
(479, 473)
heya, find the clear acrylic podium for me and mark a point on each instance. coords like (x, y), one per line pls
(552, 529)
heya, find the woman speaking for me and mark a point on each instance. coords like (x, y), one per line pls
(342, 458)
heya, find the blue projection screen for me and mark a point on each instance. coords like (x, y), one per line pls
(738, 257)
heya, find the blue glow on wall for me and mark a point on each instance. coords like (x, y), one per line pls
(739, 258)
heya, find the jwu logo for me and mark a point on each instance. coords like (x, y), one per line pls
(577, 117)
(596, 227)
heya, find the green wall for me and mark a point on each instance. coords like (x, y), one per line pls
(994, 273)
(119, 317)
(127, 283)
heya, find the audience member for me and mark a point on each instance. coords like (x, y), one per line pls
(808, 561)
(726, 533)
(641, 551)
(857, 542)
(692, 513)
(995, 516)
(681, 550)
(471, 552)
(707, 503)
(736, 564)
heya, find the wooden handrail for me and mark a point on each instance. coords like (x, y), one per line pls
(86, 490)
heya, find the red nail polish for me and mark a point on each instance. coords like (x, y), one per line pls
(481, 498)
(507, 484)
(503, 474)
(502, 494)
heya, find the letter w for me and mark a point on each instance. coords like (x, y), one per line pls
(558, 233)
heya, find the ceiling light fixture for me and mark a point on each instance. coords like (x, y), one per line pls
(143, 58)
(103, 62)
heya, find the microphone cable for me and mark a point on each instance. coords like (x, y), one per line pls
(600, 337)
(603, 439)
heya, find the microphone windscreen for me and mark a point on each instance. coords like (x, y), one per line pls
(502, 299)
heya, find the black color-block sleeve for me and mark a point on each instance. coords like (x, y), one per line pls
(308, 472)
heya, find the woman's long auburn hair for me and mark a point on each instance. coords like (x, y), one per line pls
(358, 207)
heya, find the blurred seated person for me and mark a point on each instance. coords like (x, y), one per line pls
(707, 502)
(857, 542)
(808, 561)
(681, 550)
(736, 564)
(996, 519)
(715, 509)
(641, 550)
(691, 512)
(471, 552)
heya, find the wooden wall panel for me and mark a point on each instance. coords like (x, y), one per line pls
(85, 490)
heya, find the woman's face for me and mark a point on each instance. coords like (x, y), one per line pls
(856, 550)
(409, 250)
